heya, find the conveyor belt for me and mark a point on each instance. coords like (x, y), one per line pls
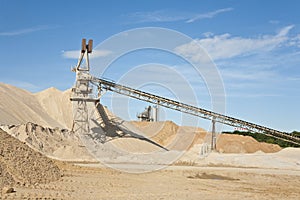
(192, 110)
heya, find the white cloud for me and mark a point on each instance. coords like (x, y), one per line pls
(167, 16)
(155, 16)
(208, 34)
(247, 75)
(251, 66)
(225, 46)
(74, 54)
(284, 31)
(248, 95)
(295, 41)
(293, 78)
(26, 30)
(208, 15)
(274, 21)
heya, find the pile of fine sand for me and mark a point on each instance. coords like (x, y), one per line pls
(49, 108)
(168, 133)
(57, 104)
(161, 132)
(285, 159)
(229, 143)
(21, 164)
(60, 144)
(52, 108)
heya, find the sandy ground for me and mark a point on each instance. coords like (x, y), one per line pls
(175, 182)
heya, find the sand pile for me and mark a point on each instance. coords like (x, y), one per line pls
(50, 108)
(228, 143)
(56, 143)
(19, 163)
(141, 137)
(57, 104)
(284, 159)
(161, 132)
(170, 136)
(164, 133)
(6, 178)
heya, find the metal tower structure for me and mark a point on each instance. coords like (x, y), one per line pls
(82, 91)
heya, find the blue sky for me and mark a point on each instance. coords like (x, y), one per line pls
(254, 44)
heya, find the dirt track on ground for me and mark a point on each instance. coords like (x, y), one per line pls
(176, 182)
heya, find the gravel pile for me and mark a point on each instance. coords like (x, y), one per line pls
(21, 164)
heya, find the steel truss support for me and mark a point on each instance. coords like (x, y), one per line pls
(81, 92)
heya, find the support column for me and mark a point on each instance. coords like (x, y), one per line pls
(213, 134)
(157, 111)
(81, 92)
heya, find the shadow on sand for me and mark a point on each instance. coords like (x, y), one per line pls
(109, 129)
